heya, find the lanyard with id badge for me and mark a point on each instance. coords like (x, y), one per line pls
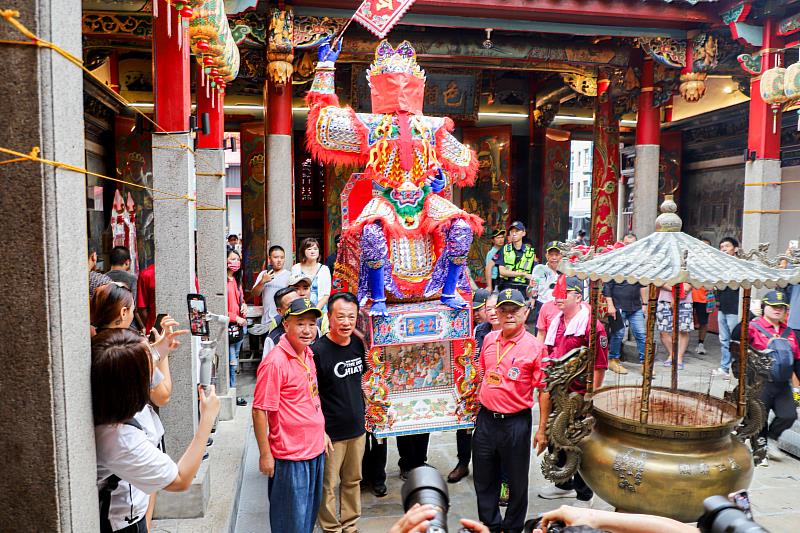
(312, 382)
(495, 377)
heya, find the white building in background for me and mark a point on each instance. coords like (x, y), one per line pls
(580, 185)
(233, 187)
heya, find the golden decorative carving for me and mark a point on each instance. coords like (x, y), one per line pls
(581, 83)
(280, 52)
(693, 86)
(117, 24)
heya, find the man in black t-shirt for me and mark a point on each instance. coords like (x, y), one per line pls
(339, 357)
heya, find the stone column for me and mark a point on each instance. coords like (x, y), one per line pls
(211, 270)
(174, 236)
(762, 203)
(648, 147)
(280, 155)
(48, 439)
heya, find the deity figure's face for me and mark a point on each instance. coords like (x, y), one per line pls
(396, 82)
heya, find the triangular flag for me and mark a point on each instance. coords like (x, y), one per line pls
(380, 16)
(560, 290)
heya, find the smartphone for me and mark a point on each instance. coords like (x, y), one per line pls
(197, 313)
(741, 500)
(158, 327)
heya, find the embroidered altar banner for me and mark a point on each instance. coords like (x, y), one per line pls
(490, 197)
(447, 94)
(420, 373)
(380, 16)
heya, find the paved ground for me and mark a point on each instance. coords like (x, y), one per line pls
(774, 491)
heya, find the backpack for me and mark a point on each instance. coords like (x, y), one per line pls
(110, 485)
(782, 355)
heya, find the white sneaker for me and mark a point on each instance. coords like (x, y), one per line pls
(718, 372)
(584, 505)
(551, 492)
(763, 462)
(773, 452)
(700, 349)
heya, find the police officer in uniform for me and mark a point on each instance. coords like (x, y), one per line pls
(510, 365)
(515, 261)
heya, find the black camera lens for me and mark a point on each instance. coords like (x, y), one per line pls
(722, 516)
(425, 485)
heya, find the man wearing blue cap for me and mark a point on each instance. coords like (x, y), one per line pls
(515, 261)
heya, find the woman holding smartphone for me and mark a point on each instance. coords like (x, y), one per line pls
(130, 465)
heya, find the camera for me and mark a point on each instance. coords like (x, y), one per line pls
(724, 516)
(426, 486)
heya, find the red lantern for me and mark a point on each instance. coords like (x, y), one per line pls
(208, 61)
(203, 46)
(186, 12)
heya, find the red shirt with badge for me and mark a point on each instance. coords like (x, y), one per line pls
(286, 388)
(565, 343)
(510, 370)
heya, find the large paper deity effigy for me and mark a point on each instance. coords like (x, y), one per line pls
(403, 243)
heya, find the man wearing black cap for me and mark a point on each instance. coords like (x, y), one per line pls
(492, 274)
(770, 332)
(510, 366)
(289, 425)
(464, 436)
(515, 261)
(545, 277)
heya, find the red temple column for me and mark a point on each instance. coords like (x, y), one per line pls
(605, 168)
(762, 203)
(211, 102)
(646, 165)
(171, 87)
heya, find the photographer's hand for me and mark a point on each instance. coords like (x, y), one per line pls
(167, 340)
(415, 520)
(474, 526)
(614, 522)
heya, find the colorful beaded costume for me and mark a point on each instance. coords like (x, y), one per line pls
(413, 242)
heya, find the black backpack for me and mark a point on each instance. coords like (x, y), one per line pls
(782, 354)
(108, 486)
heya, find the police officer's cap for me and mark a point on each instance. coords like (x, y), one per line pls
(517, 225)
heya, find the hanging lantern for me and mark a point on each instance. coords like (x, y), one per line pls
(772, 92)
(791, 85)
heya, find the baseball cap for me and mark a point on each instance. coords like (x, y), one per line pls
(552, 245)
(497, 232)
(510, 296)
(297, 278)
(517, 225)
(301, 306)
(574, 284)
(479, 298)
(775, 298)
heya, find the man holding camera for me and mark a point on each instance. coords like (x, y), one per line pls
(289, 425)
(510, 365)
(544, 278)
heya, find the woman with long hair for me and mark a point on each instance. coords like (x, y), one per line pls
(311, 267)
(130, 464)
(237, 312)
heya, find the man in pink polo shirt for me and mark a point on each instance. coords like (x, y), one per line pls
(510, 365)
(289, 424)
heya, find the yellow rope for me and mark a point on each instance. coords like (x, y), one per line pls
(769, 211)
(33, 156)
(763, 183)
(11, 17)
